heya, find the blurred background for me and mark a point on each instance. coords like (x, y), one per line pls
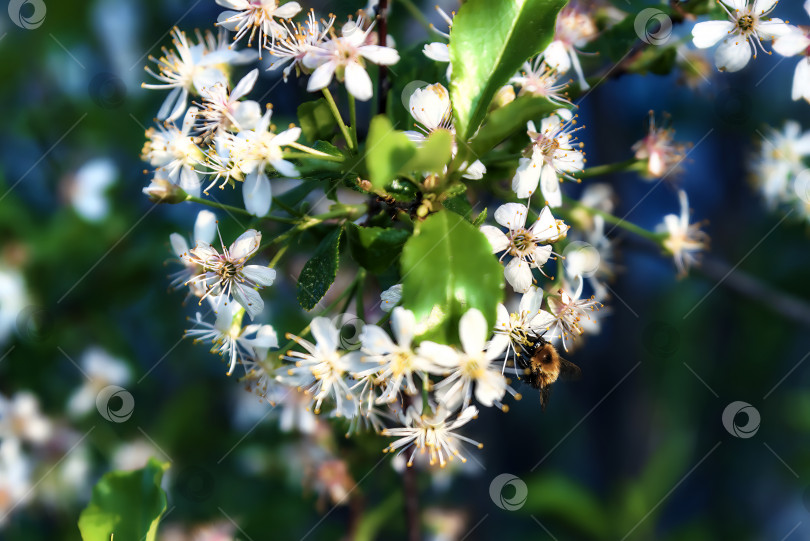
(635, 450)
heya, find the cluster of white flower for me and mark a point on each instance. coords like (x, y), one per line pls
(780, 171)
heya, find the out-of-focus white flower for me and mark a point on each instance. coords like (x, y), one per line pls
(514, 331)
(470, 367)
(394, 363)
(89, 187)
(227, 274)
(553, 153)
(15, 478)
(222, 110)
(746, 28)
(295, 409)
(430, 108)
(205, 229)
(321, 372)
(684, 240)
(575, 28)
(191, 67)
(256, 16)
(247, 156)
(593, 260)
(567, 311)
(227, 336)
(778, 166)
(538, 79)
(529, 247)
(300, 40)
(20, 418)
(435, 434)
(659, 150)
(797, 42)
(133, 455)
(100, 370)
(175, 153)
(390, 297)
(13, 300)
(345, 57)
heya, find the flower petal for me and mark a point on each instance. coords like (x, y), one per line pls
(246, 245)
(526, 178)
(473, 331)
(518, 274)
(733, 54)
(511, 215)
(358, 83)
(257, 193)
(403, 324)
(205, 226)
(249, 298)
(380, 55)
(321, 77)
(708, 33)
(496, 238)
(325, 333)
(259, 274)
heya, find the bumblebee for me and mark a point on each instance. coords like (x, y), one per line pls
(542, 366)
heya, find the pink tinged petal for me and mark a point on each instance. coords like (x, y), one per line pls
(259, 274)
(791, 44)
(518, 274)
(325, 333)
(205, 227)
(526, 178)
(358, 83)
(733, 54)
(257, 193)
(403, 324)
(550, 186)
(473, 331)
(321, 77)
(708, 33)
(179, 245)
(249, 298)
(245, 85)
(246, 245)
(496, 238)
(511, 215)
(288, 10)
(801, 85)
(380, 55)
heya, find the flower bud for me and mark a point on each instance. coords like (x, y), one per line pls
(161, 190)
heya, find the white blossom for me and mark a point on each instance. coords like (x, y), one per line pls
(568, 311)
(221, 109)
(205, 229)
(100, 370)
(538, 79)
(390, 297)
(574, 30)
(249, 17)
(175, 154)
(797, 43)
(515, 331)
(290, 51)
(21, 419)
(684, 240)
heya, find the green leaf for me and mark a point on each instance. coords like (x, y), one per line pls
(447, 268)
(489, 42)
(508, 120)
(387, 152)
(316, 120)
(460, 205)
(434, 154)
(328, 148)
(377, 518)
(480, 219)
(319, 272)
(375, 248)
(126, 504)
(559, 498)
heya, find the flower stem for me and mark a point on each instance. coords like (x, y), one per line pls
(353, 120)
(619, 167)
(336, 113)
(657, 238)
(360, 307)
(278, 256)
(307, 222)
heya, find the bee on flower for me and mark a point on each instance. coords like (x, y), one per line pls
(529, 247)
(191, 67)
(514, 330)
(684, 241)
(227, 274)
(553, 153)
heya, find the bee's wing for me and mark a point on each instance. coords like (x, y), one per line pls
(569, 371)
(545, 394)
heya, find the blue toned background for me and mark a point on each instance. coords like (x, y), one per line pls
(637, 448)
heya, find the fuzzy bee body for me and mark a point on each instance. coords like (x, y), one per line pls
(542, 366)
